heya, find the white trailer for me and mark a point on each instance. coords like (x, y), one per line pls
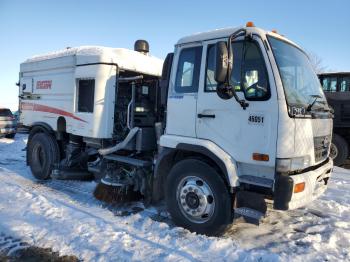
(234, 122)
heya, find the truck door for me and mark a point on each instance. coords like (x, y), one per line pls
(26, 85)
(183, 89)
(239, 132)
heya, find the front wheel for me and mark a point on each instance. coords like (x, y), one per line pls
(197, 198)
(339, 151)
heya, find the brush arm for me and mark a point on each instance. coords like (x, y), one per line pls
(122, 145)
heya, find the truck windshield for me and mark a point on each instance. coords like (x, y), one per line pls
(299, 80)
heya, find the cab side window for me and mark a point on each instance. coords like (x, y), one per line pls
(248, 75)
(210, 83)
(236, 74)
(187, 74)
(254, 79)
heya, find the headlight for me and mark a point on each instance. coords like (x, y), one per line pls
(292, 164)
(139, 109)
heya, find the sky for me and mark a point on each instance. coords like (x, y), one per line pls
(31, 27)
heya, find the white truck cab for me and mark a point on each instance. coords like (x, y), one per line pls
(236, 120)
(275, 139)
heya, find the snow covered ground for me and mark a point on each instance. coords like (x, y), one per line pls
(65, 216)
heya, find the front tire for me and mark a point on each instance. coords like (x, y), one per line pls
(197, 198)
(43, 153)
(339, 150)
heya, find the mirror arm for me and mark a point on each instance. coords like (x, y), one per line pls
(234, 35)
(242, 102)
(230, 39)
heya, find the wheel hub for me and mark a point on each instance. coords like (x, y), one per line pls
(192, 200)
(195, 199)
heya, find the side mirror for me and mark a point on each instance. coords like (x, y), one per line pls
(221, 62)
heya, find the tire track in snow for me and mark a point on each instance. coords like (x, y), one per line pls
(82, 205)
(81, 192)
(10, 245)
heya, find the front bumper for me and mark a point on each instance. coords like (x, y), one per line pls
(316, 183)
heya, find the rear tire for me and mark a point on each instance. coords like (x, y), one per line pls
(43, 153)
(339, 150)
(197, 198)
(10, 136)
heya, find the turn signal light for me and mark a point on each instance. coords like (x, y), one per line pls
(260, 157)
(299, 187)
(250, 24)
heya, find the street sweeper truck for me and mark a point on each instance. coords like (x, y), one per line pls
(233, 122)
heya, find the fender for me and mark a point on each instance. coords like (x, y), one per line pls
(207, 148)
(204, 151)
(42, 127)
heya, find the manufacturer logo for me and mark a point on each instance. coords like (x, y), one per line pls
(45, 84)
(296, 111)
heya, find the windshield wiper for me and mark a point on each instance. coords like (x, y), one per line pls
(309, 107)
(328, 109)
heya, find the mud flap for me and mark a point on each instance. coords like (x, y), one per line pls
(250, 206)
(283, 192)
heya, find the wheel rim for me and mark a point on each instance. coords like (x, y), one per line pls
(333, 151)
(195, 199)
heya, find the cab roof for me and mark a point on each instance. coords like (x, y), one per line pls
(226, 32)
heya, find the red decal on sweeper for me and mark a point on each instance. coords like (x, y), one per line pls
(48, 109)
(45, 84)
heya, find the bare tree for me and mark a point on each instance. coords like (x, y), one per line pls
(317, 63)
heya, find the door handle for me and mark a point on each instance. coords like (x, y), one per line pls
(205, 116)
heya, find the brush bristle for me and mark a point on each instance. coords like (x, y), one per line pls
(115, 194)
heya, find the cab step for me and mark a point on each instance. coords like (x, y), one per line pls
(250, 215)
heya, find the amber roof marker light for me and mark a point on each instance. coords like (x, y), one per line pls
(276, 32)
(250, 24)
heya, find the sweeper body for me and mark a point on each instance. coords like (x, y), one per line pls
(232, 122)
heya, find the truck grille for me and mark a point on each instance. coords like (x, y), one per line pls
(321, 144)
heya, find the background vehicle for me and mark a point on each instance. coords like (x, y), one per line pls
(229, 124)
(8, 123)
(337, 90)
(20, 128)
